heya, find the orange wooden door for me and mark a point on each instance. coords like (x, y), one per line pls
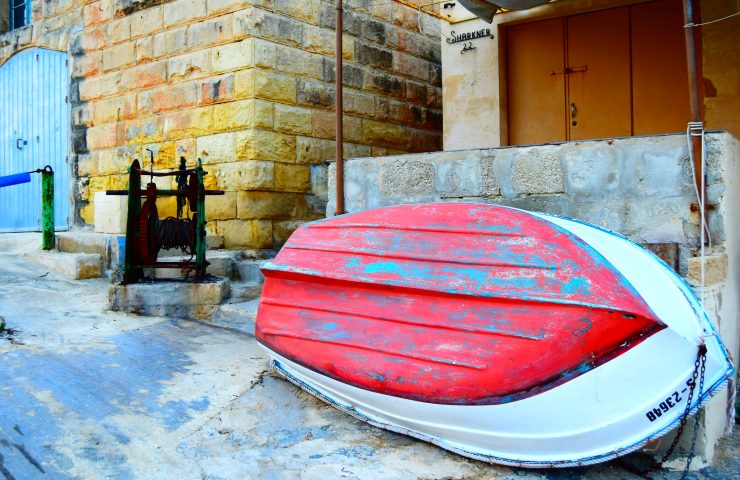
(535, 83)
(660, 84)
(599, 103)
(609, 73)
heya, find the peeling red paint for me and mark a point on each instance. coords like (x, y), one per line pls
(447, 303)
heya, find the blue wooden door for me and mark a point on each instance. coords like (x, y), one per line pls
(34, 132)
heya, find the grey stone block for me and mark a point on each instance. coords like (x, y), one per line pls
(502, 168)
(714, 193)
(276, 27)
(537, 170)
(644, 216)
(383, 83)
(552, 204)
(667, 232)
(663, 172)
(373, 30)
(373, 56)
(170, 299)
(488, 177)
(315, 94)
(405, 177)
(591, 169)
(609, 214)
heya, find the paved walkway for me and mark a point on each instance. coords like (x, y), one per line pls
(91, 394)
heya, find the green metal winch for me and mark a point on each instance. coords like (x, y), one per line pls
(147, 234)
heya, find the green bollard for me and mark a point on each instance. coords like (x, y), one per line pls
(47, 208)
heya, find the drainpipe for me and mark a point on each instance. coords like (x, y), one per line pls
(691, 16)
(339, 154)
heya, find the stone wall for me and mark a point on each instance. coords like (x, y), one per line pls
(639, 187)
(4, 16)
(246, 85)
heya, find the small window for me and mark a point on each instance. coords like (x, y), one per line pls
(19, 14)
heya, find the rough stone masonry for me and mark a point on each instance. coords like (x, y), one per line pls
(245, 85)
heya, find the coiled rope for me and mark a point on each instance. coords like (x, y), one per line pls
(177, 233)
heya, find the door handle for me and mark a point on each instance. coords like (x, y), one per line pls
(19, 143)
(573, 110)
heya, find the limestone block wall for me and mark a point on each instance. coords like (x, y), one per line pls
(245, 85)
(641, 187)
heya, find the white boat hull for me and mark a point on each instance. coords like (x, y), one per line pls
(604, 413)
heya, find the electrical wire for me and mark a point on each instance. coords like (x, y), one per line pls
(691, 131)
(692, 25)
(694, 126)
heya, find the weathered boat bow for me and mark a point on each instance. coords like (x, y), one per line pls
(415, 316)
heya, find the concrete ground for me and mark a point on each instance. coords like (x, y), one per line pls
(91, 394)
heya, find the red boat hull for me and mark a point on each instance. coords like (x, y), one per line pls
(447, 303)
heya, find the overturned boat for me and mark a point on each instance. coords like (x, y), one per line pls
(506, 336)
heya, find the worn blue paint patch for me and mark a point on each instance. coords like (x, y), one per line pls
(98, 382)
(512, 286)
(126, 376)
(353, 262)
(577, 285)
(330, 326)
(479, 277)
(27, 424)
(362, 452)
(341, 335)
(176, 413)
(383, 267)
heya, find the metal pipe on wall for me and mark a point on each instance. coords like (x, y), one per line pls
(692, 33)
(338, 81)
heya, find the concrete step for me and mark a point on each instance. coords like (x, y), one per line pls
(248, 271)
(86, 242)
(108, 246)
(74, 266)
(239, 316)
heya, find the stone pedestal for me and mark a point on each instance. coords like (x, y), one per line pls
(170, 299)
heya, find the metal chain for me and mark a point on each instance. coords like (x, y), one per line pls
(696, 419)
(699, 369)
